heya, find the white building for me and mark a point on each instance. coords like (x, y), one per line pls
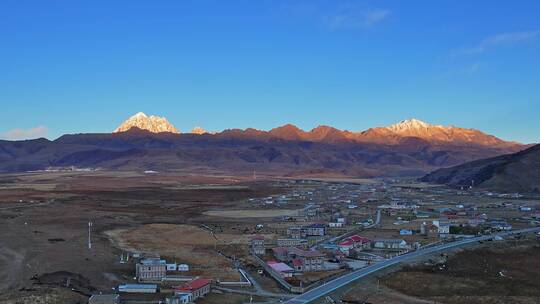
(389, 244)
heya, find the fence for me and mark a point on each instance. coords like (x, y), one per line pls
(277, 276)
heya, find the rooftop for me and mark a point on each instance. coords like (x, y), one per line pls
(283, 250)
(305, 253)
(280, 267)
(316, 225)
(103, 299)
(153, 261)
(358, 239)
(389, 240)
(193, 285)
(137, 286)
(346, 243)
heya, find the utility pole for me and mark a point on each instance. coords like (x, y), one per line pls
(89, 234)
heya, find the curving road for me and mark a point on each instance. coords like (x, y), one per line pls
(353, 276)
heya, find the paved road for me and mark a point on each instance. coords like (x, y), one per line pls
(353, 276)
(255, 293)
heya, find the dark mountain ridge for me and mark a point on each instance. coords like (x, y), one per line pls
(283, 150)
(517, 172)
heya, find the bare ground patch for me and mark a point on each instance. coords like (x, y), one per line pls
(251, 213)
(184, 243)
(487, 275)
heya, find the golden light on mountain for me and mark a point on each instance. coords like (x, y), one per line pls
(198, 130)
(154, 124)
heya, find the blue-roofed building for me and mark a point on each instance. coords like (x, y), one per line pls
(138, 288)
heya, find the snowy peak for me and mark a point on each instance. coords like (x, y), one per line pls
(198, 130)
(409, 124)
(154, 124)
(399, 133)
(438, 133)
(139, 115)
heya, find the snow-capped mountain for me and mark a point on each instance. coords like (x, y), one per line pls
(198, 130)
(437, 133)
(154, 124)
(406, 148)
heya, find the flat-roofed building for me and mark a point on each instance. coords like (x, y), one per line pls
(257, 245)
(283, 269)
(317, 229)
(295, 233)
(290, 242)
(138, 288)
(389, 244)
(104, 299)
(306, 260)
(153, 269)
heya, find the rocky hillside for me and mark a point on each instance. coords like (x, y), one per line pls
(517, 172)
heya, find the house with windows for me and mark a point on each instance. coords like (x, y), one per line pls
(389, 244)
(306, 260)
(443, 226)
(359, 242)
(257, 245)
(317, 229)
(151, 269)
(295, 233)
(286, 242)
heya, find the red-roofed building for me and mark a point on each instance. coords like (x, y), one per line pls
(297, 264)
(358, 239)
(339, 255)
(358, 242)
(345, 246)
(194, 289)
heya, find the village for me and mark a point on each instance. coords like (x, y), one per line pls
(318, 231)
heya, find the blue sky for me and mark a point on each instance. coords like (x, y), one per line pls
(85, 66)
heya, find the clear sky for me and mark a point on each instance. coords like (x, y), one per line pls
(85, 66)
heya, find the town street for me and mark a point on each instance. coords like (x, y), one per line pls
(353, 276)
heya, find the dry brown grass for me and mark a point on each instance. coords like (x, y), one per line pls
(184, 243)
(251, 213)
(43, 296)
(502, 273)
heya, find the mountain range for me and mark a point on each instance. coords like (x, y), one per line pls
(393, 134)
(410, 147)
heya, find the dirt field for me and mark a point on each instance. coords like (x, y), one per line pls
(502, 273)
(42, 295)
(251, 213)
(43, 227)
(185, 244)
